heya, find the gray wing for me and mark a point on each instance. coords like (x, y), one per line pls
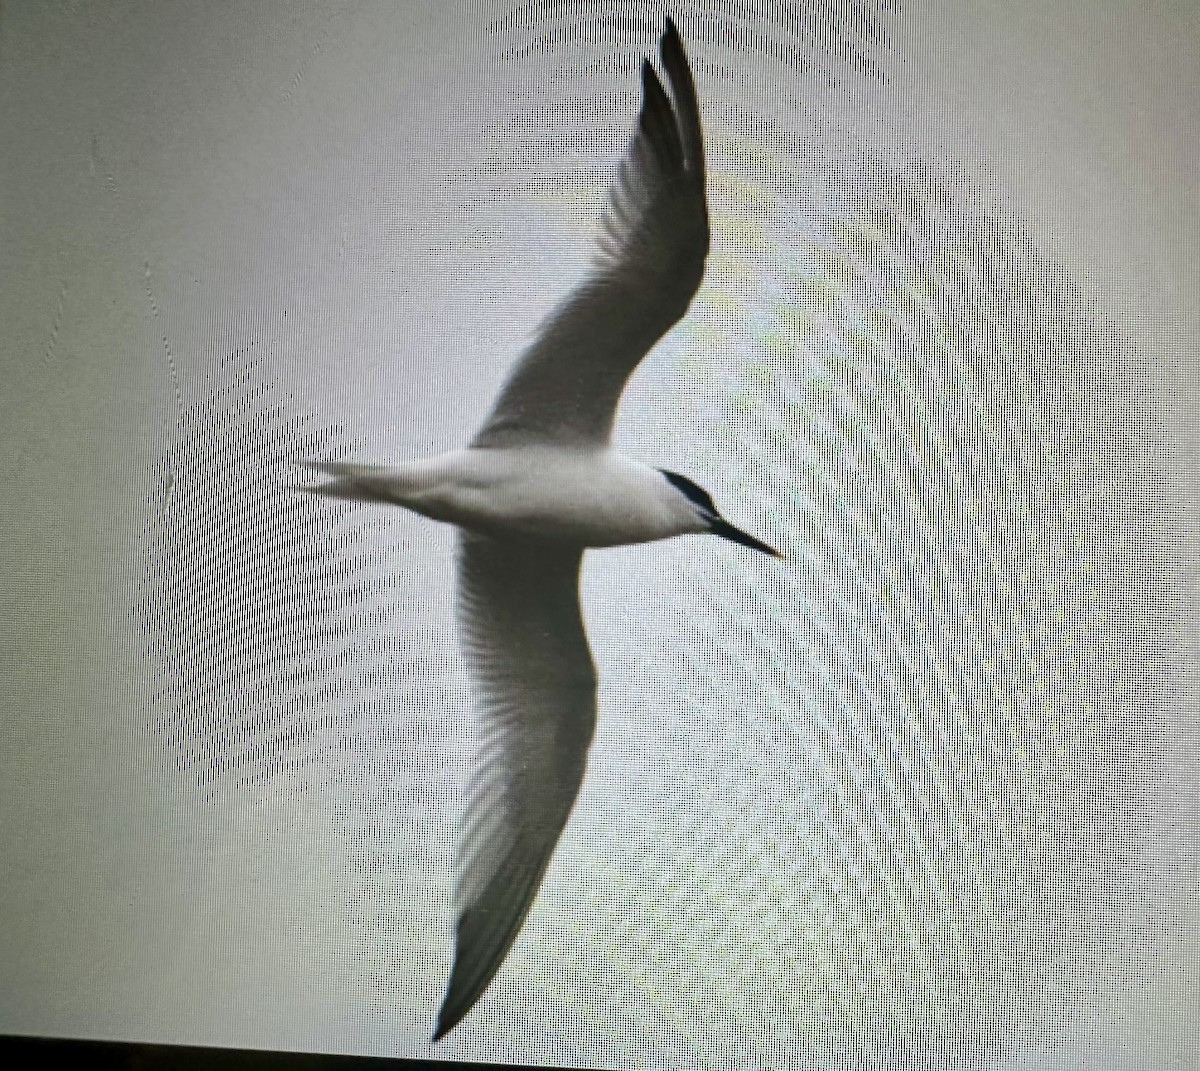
(654, 242)
(528, 656)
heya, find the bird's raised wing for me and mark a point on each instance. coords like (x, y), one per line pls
(526, 650)
(655, 238)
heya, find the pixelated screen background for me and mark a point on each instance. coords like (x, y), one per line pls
(922, 795)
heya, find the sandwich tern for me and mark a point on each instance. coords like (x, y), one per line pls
(540, 483)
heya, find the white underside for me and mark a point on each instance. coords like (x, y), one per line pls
(595, 498)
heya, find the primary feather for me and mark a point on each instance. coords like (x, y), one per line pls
(528, 657)
(653, 245)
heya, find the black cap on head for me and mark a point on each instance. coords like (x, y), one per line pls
(693, 491)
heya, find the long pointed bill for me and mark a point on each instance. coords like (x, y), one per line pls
(720, 526)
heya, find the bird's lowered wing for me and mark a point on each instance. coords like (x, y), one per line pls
(528, 656)
(655, 237)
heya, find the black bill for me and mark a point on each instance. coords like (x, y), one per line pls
(720, 526)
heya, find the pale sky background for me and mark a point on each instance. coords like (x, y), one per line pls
(927, 796)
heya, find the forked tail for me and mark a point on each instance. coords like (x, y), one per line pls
(355, 482)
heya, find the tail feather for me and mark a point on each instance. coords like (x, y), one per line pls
(353, 482)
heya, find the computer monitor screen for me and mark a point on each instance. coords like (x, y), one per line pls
(602, 534)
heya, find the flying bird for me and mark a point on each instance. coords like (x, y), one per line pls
(537, 486)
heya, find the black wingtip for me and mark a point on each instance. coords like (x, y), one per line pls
(671, 42)
(674, 58)
(657, 118)
(450, 1014)
(652, 87)
(683, 92)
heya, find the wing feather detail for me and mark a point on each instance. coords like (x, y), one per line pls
(528, 656)
(654, 238)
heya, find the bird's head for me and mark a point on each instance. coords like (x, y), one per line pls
(709, 518)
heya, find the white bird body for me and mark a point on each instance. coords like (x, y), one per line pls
(588, 497)
(538, 484)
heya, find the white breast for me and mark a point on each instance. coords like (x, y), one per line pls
(595, 498)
